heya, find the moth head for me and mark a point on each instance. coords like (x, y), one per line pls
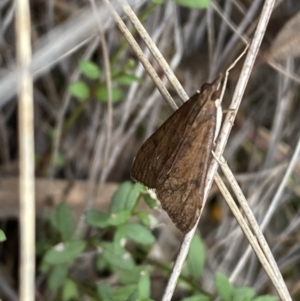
(212, 91)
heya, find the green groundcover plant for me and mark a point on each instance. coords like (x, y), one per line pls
(120, 240)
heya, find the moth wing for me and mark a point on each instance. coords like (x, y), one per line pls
(163, 143)
(181, 181)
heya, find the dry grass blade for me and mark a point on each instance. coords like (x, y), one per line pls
(253, 233)
(108, 82)
(26, 140)
(287, 43)
(282, 70)
(142, 58)
(154, 50)
(277, 196)
(253, 239)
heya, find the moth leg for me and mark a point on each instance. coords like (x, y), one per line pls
(230, 111)
(229, 68)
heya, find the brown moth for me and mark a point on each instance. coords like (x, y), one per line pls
(174, 161)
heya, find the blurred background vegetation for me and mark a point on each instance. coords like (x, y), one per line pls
(101, 237)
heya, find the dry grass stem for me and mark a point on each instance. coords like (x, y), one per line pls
(26, 140)
(142, 58)
(256, 240)
(154, 50)
(253, 233)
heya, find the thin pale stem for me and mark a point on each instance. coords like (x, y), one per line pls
(26, 150)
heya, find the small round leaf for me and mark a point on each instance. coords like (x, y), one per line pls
(64, 252)
(224, 287)
(137, 233)
(102, 95)
(2, 236)
(97, 218)
(89, 69)
(196, 257)
(79, 90)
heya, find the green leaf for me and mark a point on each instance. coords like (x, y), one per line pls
(123, 262)
(119, 218)
(224, 287)
(245, 299)
(122, 293)
(103, 220)
(150, 201)
(144, 218)
(199, 297)
(265, 298)
(119, 199)
(63, 221)
(118, 241)
(134, 296)
(158, 2)
(79, 90)
(102, 95)
(133, 195)
(102, 264)
(144, 285)
(105, 292)
(137, 233)
(117, 258)
(97, 218)
(132, 277)
(194, 3)
(243, 293)
(2, 236)
(64, 252)
(127, 79)
(69, 291)
(196, 257)
(89, 69)
(56, 277)
(130, 64)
